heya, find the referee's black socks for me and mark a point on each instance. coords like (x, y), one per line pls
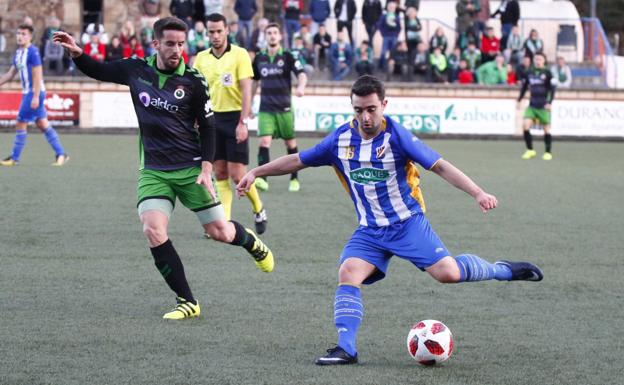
(290, 151)
(168, 262)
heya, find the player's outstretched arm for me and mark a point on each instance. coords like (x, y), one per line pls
(457, 178)
(286, 164)
(114, 71)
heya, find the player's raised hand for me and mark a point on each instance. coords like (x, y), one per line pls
(245, 184)
(486, 201)
(205, 179)
(67, 41)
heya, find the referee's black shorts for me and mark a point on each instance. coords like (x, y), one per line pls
(226, 147)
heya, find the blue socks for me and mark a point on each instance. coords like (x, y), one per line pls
(54, 140)
(473, 268)
(18, 144)
(348, 314)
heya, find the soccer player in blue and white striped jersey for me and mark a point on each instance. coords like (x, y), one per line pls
(375, 159)
(27, 63)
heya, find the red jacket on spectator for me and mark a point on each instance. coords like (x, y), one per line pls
(96, 51)
(490, 46)
(136, 51)
(465, 77)
(511, 78)
(292, 12)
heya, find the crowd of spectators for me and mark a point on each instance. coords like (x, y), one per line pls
(476, 54)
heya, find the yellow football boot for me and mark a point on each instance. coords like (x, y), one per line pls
(528, 154)
(261, 184)
(184, 309)
(294, 185)
(261, 254)
(8, 162)
(547, 156)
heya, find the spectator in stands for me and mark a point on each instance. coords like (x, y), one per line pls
(322, 42)
(490, 45)
(511, 75)
(319, 12)
(561, 73)
(306, 36)
(438, 66)
(466, 15)
(292, 13)
(95, 48)
(27, 20)
(212, 6)
(183, 10)
(114, 50)
(272, 11)
(514, 50)
(146, 37)
(127, 32)
(134, 49)
(412, 3)
(523, 68)
(151, 7)
(438, 40)
(389, 26)
(344, 10)
(235, 36)
(364, 59)
(465, 38)
(92, 29)
(246, 10)
(493, 72)
(258, 39)
(412, 30)
(472, 56)
(509, 11)
(533, 44)
(54, 24)
(398, 64)
(453, 64)
(421, 62)
(465, 75)
(2, 38)
(483, 14)
(340, 56)
(197, 39)
(371, 12)
(303, 54)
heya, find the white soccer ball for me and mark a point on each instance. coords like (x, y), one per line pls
(430, 342)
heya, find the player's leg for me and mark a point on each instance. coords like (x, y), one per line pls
(363, 261)
(156, 198)
(54, 141)
(224, 187)
(545, 119)
(291, 148)
(529, 117)
(286, 131)
(237, 171)
(266, 126)
(19, 143)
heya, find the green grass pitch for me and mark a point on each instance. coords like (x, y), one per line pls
(81, 302)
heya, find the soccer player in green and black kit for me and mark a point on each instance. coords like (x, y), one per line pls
(176, 158)
(539, 80)
(272, 68)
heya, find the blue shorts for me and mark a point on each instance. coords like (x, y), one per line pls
(27, 114)
(412, 239)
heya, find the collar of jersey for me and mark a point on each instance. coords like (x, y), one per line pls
(151, 61)
(228, 48)
(353, 124)
(280, 51)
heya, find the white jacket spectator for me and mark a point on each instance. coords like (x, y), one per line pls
(562, 75)
(94, 29)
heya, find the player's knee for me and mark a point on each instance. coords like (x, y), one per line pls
(155, 234)
(220, 231)
(348, 274)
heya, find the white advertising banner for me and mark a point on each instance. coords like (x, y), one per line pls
(433, 115)
(588, 118)
(113, 110)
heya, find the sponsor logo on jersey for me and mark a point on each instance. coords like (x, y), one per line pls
(368, 175)
(270, 71)
(179, 93)
(158, 103)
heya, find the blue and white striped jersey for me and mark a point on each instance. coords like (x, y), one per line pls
(24, 61)
(378, 173)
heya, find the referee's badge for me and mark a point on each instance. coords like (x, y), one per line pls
(179, 93)
(226, 80)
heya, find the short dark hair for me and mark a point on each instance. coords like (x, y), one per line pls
(216, 17)
(368, 84)
(168, 23)
(27, 27)
(273, 25)
(542, 54)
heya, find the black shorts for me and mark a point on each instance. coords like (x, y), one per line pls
(226, 147)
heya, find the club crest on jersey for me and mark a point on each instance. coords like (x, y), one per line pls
(369, 175)
(381, 152)
(280, 63)
(350, 152)
(179, 93)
